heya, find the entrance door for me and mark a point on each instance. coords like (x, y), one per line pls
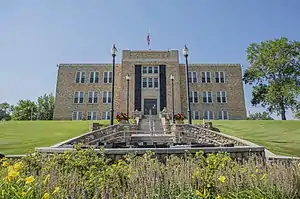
(150, 106)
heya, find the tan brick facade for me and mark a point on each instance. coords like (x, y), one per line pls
(66, 86)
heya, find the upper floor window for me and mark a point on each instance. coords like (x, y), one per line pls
(80, 77)
(195, 115)
(194, 97)
(107, 77)
(222, 97)
(92, 115)
(77, 115)
(78, 97)
(207, 97)
(94, 77)
(193, 77)
(150, 69)
(206, 77)
(208, 115)
(223, 115)
(106, 115)
(149, 82)
(220, 77)
(93, 97)
(106, 97)
(155, 82)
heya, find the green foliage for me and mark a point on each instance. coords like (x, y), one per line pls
(87, 174)
(260, 116)
(5, 110)
(275, 74)
(45, 107)
(25, 110)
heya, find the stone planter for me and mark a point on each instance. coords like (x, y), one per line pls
(179, 122)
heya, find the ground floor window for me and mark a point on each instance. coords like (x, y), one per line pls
(208, 115)
(77, 115)
(223, 115)
(92, 115)
(195, 115)
(106, 115)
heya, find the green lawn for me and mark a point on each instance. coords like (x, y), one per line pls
(279, 137)
(18, 137)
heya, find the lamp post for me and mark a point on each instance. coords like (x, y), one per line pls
(127, 107)
(113, 53)
(185, 52)
(173, 111)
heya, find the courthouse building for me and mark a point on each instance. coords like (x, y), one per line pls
(83, 91)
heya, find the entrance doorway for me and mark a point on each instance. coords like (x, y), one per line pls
(150, 106)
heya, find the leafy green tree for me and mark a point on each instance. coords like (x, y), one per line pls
(260, 116)
(45, 107)
(5, 110)
(274, 72)
(25, 110)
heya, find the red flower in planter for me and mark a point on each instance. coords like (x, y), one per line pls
(122, 116)
(179, 116)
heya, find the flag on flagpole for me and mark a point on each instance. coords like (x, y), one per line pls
(148, 40)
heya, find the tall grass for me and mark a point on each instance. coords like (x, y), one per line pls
(83, 174)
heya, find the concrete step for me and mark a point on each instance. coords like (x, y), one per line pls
(150, 139)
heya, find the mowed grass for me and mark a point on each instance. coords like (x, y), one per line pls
(279, 137)
(20, 137)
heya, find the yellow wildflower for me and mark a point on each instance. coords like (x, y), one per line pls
(5, 164)
(18, 166)
(29, 180)
(23, 194)
(56, 190)
(222, 179)
(46, 179)
(46, 196)
(219, 197)
(12, 173)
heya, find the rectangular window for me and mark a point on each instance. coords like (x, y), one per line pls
(94, 77)
(77, 115)
(150, 70)
(218, 97)
(150, 83)
(196, 115)
(155, 82)
(222, 97)
(107, 77)
(206, 77)
(193, 77)
(106, 97)
(155, 69)
(80, 77)
(145, 70)
(220, 77)
(92, 115)
(93, 97)
(106, 115)
(204, 97)
(207, 97)
(194, 97)
(144, 82)
(78, 97)
(223, 115)
(208, 115)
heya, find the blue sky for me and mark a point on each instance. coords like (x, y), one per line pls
(37, 35)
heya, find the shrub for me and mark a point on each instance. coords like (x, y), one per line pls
(83, 173)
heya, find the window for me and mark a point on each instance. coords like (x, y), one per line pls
(106, 115)
(93, 97)
(145, 70)
(223, 115)
(150, 70)
(107, 77)
(106, 97)
(207, 97)
(194, 97)
(195, 115)
(92, 115)
(78, 97)
(155, 82)
(77, 115)
(94, 77)
(206, 77)
(80, 77)
(144, 82)
(220, 77)
(150, 82)
(222, 97)
(193, 77)
(155, 69)
(208, 115)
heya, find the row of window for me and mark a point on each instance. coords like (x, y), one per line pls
(92, 97)
(150, 69)
(207, 96)
(209, 115)
(206, 77)
(93, 78)
(149, 82)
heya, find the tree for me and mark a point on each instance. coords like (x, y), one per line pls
(45, 107)
(25, 110)
(260, 116)
(275, 73)
(5, 110)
